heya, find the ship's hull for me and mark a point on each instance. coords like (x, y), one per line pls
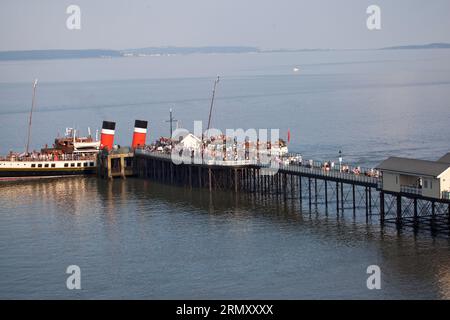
(43, 173)
(19, 169)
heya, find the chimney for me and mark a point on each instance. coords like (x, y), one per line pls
(139, 134)
(107, 136)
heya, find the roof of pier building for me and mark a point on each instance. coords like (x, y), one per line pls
(191, 142)
(415, 167)
(445, 158)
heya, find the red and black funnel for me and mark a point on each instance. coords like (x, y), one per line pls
(107, 136)
(139, 134)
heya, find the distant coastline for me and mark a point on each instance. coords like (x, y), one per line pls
(104, 53)
(437, 45)
(57, 54)
(167, 51)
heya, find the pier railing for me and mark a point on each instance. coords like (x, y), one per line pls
(410, 189)
(196, 159)
(41, 158)
(332, 173)
(155, 154)
(316, 168)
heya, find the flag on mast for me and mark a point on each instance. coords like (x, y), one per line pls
(289, 135)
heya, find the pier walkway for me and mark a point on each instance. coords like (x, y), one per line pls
(366, 177)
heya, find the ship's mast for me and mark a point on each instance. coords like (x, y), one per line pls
(212, 101)
(31, 114)
(171, 121)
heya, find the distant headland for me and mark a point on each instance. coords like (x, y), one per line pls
(104, 53)
(171, 50)
(437, 45)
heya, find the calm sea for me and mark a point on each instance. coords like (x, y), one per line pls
(138, 239)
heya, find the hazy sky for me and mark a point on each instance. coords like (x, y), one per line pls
(119, 24)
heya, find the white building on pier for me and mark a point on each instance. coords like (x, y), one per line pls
(426, 178)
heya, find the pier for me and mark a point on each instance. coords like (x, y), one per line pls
(401, 191)
(115, 164)
(315, 189)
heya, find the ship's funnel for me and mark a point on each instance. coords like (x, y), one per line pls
(107, 136)
(139, 134)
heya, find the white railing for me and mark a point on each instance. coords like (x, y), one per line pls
(41, 158)
(411, 189)
(316, 168)
(229, 162)
(333, 173)
(196, 160)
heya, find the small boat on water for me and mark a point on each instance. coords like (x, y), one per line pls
(69, 155)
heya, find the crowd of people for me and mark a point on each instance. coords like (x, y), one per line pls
(220, 148)
(327, 166)
(41, 156)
